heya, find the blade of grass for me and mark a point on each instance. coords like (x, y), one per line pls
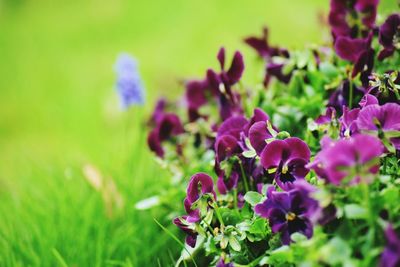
(176, 239)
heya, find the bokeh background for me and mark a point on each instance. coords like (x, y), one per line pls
(59, 112)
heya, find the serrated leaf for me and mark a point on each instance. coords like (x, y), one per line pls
(249, 154)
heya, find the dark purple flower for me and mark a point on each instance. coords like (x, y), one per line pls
(287, 158)
(232, 126)
(167, 126)
(129, 84)
(348, 124)
(258, 115)
(391, 254)
(261, 45)
(352, 17)
(357, 51)
(288, 212)
(340, 97)
(383, 120)
(199, 184)
(191, 235)
(276, 70)
(351, 160)
(221, 83)
(389, 36)
(258, 136)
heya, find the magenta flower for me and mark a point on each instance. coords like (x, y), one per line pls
(261, 45)
(349, 160)
(391, 254)
(191, 235)
(367, 100)
(346, 17)
(348, 122)
(258, 136)
(221, 83)
(357, 51)
(221, 263)
(288, 212)
(200, 184)
(389, 36)
(287, 158)
(328, 117)
(167, 126)
(381, 120)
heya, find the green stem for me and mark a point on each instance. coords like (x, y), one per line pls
(219, 217)
(246, 185)
(351, 93)
(235, 198)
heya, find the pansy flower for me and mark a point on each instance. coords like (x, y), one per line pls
(221, 83)
(167, 126)
(340, 97)
(348, 122)
(352, 17)
(273, 69)
(350, 160)
(287, 159)
(288, 212)
(382, 120)
(261, 45)
(327, 118)
(358, 51)
(391, 254)
(389, 36)
(200, 184)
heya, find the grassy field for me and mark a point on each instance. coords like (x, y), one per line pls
(59, 112)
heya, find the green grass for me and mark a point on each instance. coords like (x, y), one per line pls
(58, 112)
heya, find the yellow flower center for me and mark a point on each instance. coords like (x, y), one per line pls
(290, 216)
(285, 169)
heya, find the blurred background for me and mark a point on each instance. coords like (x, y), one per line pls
(59, 112)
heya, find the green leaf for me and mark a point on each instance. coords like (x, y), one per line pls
(258, 227)
(253, 198)
(234, 243)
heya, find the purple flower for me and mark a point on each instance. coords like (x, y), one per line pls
(261, 45)
(258, 136)
(391, 254)
(287, 158)
(381, 120)
(367, 100)
(221, 263)
(328, 117)
(340, 97)
(221, 83)
(351, 160)
(389, 36)
(345, 17)
(129, 84)
(166, 126)
(357, 51)
(348, 124)
(288, 212)
(191, 235)
(199, 185)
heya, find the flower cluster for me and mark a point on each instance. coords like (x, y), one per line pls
(303, 169)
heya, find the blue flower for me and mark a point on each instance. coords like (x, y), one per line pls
(129, 85)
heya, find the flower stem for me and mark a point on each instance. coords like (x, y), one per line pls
(351, 93)
(246, 185)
